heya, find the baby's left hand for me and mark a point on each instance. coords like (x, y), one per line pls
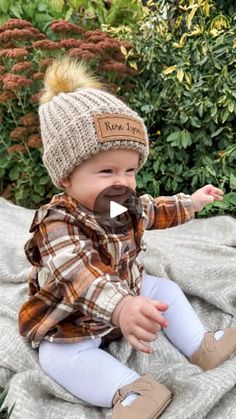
(206, 195)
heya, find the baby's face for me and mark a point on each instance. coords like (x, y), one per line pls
(116, 168)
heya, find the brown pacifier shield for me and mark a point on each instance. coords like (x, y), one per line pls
(118, 194)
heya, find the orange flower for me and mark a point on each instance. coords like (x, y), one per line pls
(70, 43)
(15, 82)
(22, 66)
(16, 52)
(16, 148)
(33, 129)
(109, 44)
(6, 96)
(86, 55)
(111, 87)
(35, 141)
(45, 63)
(37, 76)
(122, 68)
(65, 26)
(36, 97)
(16, 23)
(2, 69)
(46, 44)
(29, 119)
(3, 52)
(16, 35)
(95, 36)
(18, 133)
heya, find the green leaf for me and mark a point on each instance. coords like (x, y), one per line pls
(14, 173)
(195, 122)
(200, 110)
(232, 181)
(186, 138)
(4, 5)
(217, 132)
(10, 411)
(16, 10)
(44, 180)
(69, 13)
(29, 10)
(231, 106)
(225, 115)
(3, 395)
(174, 138)
(42, 17)
(4, 19)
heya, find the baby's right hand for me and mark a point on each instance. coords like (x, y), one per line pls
(140, 319)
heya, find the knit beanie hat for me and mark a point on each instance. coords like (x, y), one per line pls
(78, 120)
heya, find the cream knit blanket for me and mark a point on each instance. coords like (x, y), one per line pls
(200, 256)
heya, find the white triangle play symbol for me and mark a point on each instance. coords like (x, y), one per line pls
(116, 209)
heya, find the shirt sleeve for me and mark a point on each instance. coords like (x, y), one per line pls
(167, 211)
(80, 278)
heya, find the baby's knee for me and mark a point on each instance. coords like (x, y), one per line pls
(170, 291)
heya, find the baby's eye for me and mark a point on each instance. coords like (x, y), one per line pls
(106, 171)
(132, 170)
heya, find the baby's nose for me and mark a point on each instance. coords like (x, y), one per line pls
(120, 181)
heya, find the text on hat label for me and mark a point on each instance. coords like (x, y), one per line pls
(112, 127)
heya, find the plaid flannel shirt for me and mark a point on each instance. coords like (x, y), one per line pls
(82, 269)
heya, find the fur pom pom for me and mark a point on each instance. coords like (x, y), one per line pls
(67, 75)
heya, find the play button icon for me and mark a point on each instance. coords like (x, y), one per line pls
(116, 205)
(116, 209)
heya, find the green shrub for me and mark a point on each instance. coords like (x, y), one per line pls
(89, 13)
(185, 90)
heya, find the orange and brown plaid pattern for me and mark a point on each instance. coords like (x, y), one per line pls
(82, 269)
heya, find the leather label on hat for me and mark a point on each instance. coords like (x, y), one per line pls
(111, 127)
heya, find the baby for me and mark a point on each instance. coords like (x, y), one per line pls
(86, 287)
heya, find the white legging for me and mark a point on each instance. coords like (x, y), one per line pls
(93, 375)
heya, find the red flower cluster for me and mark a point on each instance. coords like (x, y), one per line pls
(46, 44)
(45, 63)
(22, 66)
(29, 119)
(35, 141)
(35, 98)
(15, 23)
(15, 82)
(37, 76)
(112, 65)
(62, 26)
(28, 132)
(16, 34)
(16, 53)
(16, 148)
(70, 43)
(6, 97)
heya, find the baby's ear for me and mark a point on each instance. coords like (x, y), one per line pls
(66, 183)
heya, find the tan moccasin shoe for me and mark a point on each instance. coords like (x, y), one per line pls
(152, 400)
(214, 352)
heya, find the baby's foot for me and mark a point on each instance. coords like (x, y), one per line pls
(213, 351)
(152, 398)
